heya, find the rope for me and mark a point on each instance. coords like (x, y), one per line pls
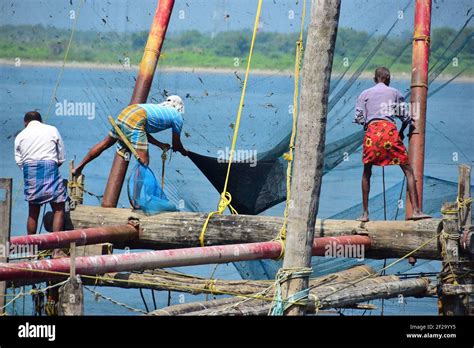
(226, 197)
(289, 155)
(164, 156)
(33, 291)
(98, 294)
(280, 305)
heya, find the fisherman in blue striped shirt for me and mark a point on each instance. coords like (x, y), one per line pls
(137, 122)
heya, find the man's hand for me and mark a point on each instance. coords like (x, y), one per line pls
(155, 142)
(181, 150)
(164, 146)
(177, 145)
(76, 171)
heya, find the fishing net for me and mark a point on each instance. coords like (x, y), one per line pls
(145, 193)
(256, 185)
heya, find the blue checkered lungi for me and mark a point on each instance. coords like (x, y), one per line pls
(43, 182)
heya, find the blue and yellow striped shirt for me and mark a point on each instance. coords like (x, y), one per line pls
(162, 117)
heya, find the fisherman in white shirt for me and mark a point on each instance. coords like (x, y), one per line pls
(39, 151)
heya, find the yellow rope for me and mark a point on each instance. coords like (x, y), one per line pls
(226, 197)
(463, 203)
(289, 155)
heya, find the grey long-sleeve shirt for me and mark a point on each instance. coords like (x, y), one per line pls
(381, 102)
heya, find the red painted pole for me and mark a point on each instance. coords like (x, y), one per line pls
(419, 91)
(140, 93)
(111, 234)
(91, 265)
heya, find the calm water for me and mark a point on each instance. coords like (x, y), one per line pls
(211, 105)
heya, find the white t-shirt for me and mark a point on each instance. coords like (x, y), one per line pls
(39, 141)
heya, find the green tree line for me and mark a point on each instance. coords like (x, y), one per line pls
(228, 49)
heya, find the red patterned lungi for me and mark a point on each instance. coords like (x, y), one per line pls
(382, 145)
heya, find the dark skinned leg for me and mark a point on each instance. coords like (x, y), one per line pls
(33, 214)
(58, 216)
(58, 225)
(365, 192)
(413, 193)
(144, 157)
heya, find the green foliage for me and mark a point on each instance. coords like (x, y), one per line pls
(197, 49)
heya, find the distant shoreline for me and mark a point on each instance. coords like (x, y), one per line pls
(204, 70)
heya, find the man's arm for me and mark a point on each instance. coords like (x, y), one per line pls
(60, 149)
(155, 142)
(403, 114)
(18, 157)
(360, 110)
(177, 145)
(93, 153)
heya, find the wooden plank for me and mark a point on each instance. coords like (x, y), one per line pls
(181, 230)
(5, 227)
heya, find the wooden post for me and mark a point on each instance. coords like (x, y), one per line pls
(76, 188)
(467, 245)
(5, 225)
(465, 206)
(71, 294)
(456, 295)
(310, 141)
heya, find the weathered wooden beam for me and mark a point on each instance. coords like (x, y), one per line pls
(5, 224)
(332, 295)
(181, 230)
(342, 277)
(309, 147)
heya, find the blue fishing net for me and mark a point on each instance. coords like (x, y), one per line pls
(145, 193)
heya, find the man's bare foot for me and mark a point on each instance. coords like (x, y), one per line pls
(419, 216)
(363, 218)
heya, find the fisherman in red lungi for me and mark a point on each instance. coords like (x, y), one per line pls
(376, 110)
